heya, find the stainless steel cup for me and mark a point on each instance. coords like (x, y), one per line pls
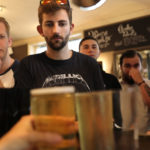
(94, 113)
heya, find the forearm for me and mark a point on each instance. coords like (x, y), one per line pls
(3, 145)
(12, 146)
(13, 142)
(145, 91)
(144, 88)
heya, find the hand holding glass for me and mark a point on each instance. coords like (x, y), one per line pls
(54, 111)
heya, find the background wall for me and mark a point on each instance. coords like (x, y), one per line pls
(107, 61)
(20, 52)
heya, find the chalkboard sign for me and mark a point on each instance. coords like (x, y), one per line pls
(123, 35)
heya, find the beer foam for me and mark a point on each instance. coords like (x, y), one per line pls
(53, 90)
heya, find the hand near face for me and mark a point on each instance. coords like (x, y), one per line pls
(135, 74)
(1, 84)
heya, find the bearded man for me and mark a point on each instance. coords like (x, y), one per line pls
(137, 103)
(8, 65)
(131, 68)
(58, 66)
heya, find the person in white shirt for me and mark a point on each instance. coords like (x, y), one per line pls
(7, 64)
(137, 101)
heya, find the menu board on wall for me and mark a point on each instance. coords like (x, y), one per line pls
(123, 35)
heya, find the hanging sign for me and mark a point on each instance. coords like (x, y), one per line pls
(123, 35)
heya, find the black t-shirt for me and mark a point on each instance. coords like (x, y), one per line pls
(14, 103)
(13, 67)
(81, 71)
(112, 83)
(7, 77)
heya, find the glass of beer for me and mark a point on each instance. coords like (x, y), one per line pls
(135, 113)
(94, 113)
(54, 111)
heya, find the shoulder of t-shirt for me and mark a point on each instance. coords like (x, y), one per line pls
(84, 57)
(111, 75)
(15, 65)
(33, 57)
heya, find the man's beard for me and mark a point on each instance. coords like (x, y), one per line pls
(3, 54)
(127, 79)
(57, 44)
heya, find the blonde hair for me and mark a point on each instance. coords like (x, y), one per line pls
(3, 20)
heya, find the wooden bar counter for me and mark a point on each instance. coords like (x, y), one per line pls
(124, 141)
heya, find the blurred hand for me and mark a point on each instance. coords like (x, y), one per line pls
(65, 126)
(135, 74)
(23, 136)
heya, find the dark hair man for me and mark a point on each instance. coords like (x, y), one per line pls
(58, 66)
(89, 46)
(7, 64)
(131, 67)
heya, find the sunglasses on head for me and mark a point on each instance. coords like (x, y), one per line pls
(59, 2)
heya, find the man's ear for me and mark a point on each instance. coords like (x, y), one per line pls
(39, 29)
(71, 28)
(9, 41)
(121, 68)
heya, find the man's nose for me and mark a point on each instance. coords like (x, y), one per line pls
(55, 28)
(90, 49)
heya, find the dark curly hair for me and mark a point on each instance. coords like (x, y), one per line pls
(129, 54)
(87, 38)
(52, 8)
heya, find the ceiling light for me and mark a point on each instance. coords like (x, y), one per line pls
(98, 4)
(88, 4)
(2, 7)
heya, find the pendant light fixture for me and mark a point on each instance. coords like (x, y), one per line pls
(88, 4)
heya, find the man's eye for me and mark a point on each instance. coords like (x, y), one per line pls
(49, 24)
(127, 65)
(2, 36)
(94, 47)
(62, 24)
(136, 65)
(85, 47)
